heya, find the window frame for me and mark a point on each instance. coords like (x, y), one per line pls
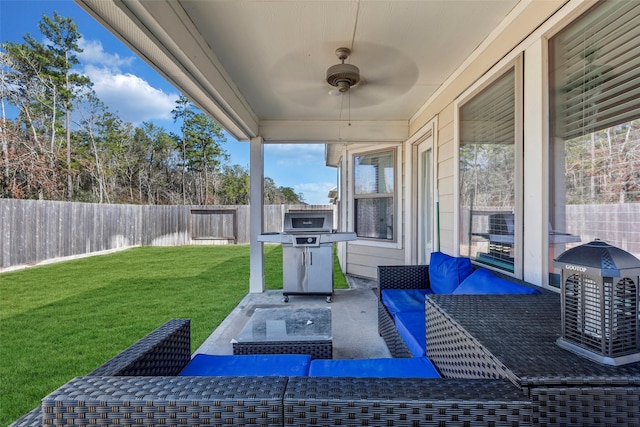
(553, 149)
(517, 65)
(397, 221)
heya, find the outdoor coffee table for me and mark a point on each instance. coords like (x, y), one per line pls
(287, 331)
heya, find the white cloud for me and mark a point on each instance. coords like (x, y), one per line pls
(296, 149)
(129, 96)
(292, 155)
(315, 193)
(93, 53)
(301, 167)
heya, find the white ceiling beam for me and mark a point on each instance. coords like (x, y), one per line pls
(282, 131)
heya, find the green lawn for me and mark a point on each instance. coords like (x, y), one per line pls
(63, 320)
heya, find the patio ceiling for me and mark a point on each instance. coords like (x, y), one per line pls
(258, 67)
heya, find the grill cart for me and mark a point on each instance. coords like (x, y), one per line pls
(307, 252)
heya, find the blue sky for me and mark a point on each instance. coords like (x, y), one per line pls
(119, 77)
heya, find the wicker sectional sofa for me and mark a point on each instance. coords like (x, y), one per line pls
(141, 387)
(496, 354)
(402, 290)
(474, 336)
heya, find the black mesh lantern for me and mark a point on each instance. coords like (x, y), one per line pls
(599, 294)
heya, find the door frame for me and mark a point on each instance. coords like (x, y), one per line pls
(421, 141)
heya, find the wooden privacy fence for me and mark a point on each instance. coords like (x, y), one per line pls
(33, 231)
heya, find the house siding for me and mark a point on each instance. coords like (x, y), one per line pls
(529, 25)
(364, 260)
(445, 178)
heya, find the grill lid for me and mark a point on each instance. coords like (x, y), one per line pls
(306, 222)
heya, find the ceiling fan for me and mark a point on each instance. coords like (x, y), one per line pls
(389, 74)
(342, 76)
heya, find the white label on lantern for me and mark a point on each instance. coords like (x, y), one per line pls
(575, 268)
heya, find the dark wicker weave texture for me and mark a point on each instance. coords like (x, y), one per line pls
(388, 331)
(514, 337)
(326, 401)
(166, 401)
(521, 332)
(456, 353)
(578, 406)
(316, 349)
(31, 419)
(398, 277)
(403, 277)
(165, 351)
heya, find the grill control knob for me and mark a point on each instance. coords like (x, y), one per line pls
(309, 239)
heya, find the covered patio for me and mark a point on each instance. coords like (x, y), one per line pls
(401, 93)
(272, 72)
(496, 370)
(354, 314)
(432, 93)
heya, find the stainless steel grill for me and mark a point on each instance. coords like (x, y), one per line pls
(307, 252)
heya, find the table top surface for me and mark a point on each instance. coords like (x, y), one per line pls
(287, 324)
(521, 331)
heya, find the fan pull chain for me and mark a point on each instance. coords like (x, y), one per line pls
(349, 100)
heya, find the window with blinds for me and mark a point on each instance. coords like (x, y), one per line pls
(374, 195)
(596, 70)
(487, 172)
(594, 153)
(488, 118)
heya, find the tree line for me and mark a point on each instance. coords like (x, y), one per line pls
(602, 167)
(65, 144)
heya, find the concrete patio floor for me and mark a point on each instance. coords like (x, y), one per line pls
(354, 320)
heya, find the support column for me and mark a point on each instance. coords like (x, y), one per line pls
(536, 167)
(256, 214)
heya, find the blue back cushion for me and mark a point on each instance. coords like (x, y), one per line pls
(447, 272)
(483, 281)
(412, 328)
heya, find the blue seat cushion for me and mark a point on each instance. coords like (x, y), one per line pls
(411, 327)
(483, 281)
(415, 367)
(447, 272)
(248, 365)
(397, 300)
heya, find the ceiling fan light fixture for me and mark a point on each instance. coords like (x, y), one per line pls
(343, 76)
